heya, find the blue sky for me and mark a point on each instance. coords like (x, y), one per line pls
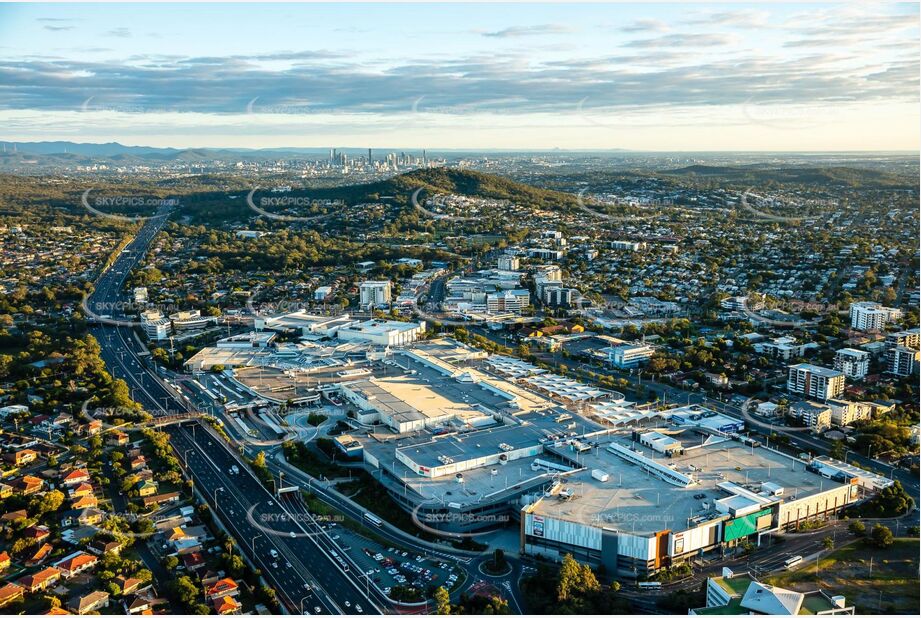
(694, 76)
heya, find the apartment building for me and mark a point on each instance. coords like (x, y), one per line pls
(844, 413)
(905, 338)
(508, 262)
(816, 416)
(902, 361)
(814, 381)
(852, 363)
(868, 315)
(374, 293)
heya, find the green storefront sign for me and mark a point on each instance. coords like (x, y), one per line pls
(743, 526)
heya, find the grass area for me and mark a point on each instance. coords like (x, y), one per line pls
(298, 455)
(892, 588)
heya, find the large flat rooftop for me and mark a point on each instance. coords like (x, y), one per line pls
(634, 500)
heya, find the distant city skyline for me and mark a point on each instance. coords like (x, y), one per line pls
(647, 77)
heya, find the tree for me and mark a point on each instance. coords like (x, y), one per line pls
(442, 601)
(857, 528)
(575, 579)
(881, 536)
(498, 559)
(828, 543)
(50, 502)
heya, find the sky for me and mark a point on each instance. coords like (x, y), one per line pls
(637, 76)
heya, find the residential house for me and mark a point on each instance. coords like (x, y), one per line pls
(171, 496)
(4, 561)
(11, 516)
(89, 603)
(85, 502)
(117, 438)
(139, 462)
(129, 585)
(147, 487)
(226, 605)
(101, 546)
(36, 533)
(29, 485)
(10, 593)
(40, 555)
(226, 587)
(76, 563)
(82, 517)
(83, 489)
(21, 457)
(75, 477)
(41, 580)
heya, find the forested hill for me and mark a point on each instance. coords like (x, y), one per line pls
(448, 180)
(816, 176)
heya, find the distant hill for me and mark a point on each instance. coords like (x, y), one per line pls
(92, 150)
(849, 176)
(449, 180)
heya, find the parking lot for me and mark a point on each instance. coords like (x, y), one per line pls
(389, 567)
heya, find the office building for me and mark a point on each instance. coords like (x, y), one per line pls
(628, 355)
(156, 327)
(816, 382)
(190, 320)
(738, 594)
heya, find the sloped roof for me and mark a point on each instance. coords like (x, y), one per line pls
(767, 599)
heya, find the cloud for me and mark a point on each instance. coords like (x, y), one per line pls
(520, 31)
(686, 40)
(58, 28)
(121, 33)
(645, 25)
(500, 84)
(749, 18)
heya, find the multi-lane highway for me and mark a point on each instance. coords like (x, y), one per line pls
(305, 577)
(303, 573)
(124, 355)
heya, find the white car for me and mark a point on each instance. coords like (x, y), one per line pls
(347, 604)
(359, 610)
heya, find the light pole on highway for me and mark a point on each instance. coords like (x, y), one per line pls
(303, 613)
(216, 489)
(254, 541)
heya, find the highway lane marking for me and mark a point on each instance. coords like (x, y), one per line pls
(233, 524)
